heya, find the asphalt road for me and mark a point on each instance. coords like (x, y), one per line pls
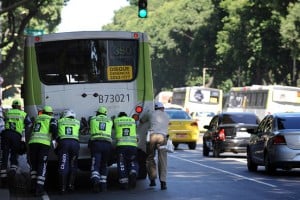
(192, 177)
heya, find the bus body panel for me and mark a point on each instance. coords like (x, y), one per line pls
(263, 99)
(84, 99)
(198, 99)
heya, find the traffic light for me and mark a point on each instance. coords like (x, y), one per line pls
(142, 9)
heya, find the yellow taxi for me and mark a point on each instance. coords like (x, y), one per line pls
(182, 128)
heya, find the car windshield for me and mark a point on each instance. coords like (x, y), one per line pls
(239, 118)
(178, 114)
(288, 123)
(206, 114)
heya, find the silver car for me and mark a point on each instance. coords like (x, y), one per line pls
(275, 143)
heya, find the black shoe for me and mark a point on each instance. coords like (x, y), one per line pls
(32, 187)
(4, 183)
(163, 185)
(11, 178)
(39, 192)
(96, 187)
(71, 188)
(12, 173)
(124, 186)
(63, 190)
(152, 183)
(132, 180)
(103, 187)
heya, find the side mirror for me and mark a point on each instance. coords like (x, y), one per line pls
(206, 126)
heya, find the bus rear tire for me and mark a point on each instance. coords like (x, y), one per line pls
(142, 156)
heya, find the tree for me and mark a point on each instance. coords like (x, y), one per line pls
(15, 17)
(173, 36)
(290, 33)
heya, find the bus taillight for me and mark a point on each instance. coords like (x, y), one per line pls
(139, 109)
(135, 35)
(37, 38)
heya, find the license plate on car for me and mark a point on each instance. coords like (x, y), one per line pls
(181, 135)
(242, 134)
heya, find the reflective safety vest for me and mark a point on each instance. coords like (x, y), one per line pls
(41, 130)
(68, 128)
(14, 120)
(125, 131)
(100, 128)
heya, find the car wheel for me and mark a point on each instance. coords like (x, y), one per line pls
(269, 167)
(252, 167)
(192, 145)
(216, 152)
(175, 145)
(205, 149)
(142, 156)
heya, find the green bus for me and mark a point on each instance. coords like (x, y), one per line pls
(87, 69)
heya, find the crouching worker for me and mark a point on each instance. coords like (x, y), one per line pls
(16, 120)
(44, 129)
(126, 143)
(67, 150)
(100, 146)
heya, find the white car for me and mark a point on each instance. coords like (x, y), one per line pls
(203, 118)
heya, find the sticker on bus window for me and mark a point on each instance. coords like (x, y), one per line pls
(117, 73)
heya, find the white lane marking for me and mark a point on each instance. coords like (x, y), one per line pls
(226, 172)
(237, 159)
(45, 197)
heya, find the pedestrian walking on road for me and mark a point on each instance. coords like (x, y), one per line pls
(158, 134)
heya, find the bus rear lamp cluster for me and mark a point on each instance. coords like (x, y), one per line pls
(138, 110)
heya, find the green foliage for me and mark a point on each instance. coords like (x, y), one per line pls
(240, 42)
(290, 30)
(15, 17)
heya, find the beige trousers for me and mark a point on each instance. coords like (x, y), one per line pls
(157, 140)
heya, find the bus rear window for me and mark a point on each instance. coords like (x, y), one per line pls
(87, 61)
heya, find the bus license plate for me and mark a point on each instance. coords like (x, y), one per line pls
(242, 134)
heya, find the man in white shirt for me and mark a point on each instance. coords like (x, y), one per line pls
(159, 122)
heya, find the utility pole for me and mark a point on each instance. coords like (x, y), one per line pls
(1, 79)
(0, 33)
(203, 76)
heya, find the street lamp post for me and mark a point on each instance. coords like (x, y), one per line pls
(203, 76)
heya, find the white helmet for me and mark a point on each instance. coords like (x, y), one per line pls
(69, 113)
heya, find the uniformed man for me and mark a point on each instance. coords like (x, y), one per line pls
(126, 143)
(100, 146)
(67, 149)
(44, 130)
(16, 122)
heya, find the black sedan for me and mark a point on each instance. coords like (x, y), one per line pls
(275, 143)
(228, 132)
